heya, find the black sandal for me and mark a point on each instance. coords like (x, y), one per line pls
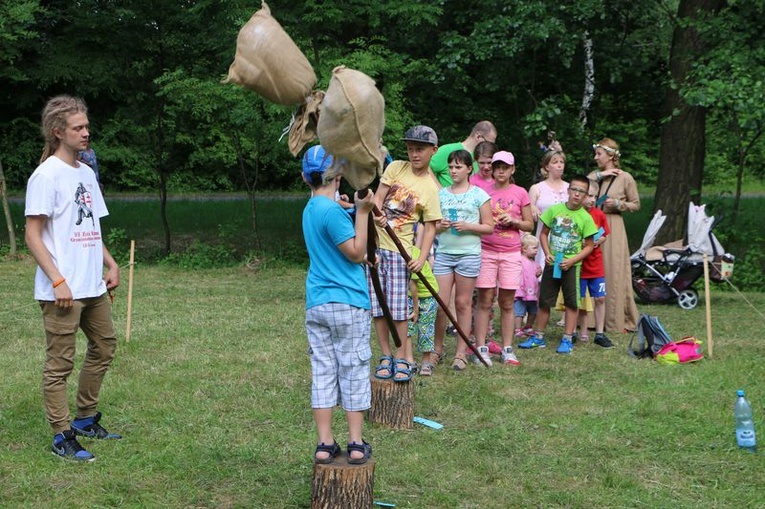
(333, 451)
(363, 447)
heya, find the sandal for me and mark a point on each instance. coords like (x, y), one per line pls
(405, 370)
(439, 357)
(333, 451)
(459, 363)
(426, 369)
(386, 364)
(363, 448)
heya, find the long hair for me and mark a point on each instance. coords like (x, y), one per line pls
(54, 116)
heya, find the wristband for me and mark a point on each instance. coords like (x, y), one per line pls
(59, 282)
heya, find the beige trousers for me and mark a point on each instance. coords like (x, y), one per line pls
(94, 317)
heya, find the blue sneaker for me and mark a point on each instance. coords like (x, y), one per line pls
(65, 445)
(565, 346)
(89, 427)
(533, 342)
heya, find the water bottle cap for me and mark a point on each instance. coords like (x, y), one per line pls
(739, 393)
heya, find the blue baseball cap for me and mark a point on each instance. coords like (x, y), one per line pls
(316, 160)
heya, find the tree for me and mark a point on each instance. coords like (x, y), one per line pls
(730, 82)
(683, 137)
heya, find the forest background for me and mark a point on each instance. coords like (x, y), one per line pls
(678, 83)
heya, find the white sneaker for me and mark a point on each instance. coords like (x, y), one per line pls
(484, 351)
(508, 356)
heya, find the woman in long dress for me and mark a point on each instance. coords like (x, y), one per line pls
(618, 194)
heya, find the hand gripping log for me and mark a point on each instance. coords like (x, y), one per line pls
(433, 292)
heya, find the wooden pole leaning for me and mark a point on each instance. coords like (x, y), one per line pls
(130, 292)
(707, 299)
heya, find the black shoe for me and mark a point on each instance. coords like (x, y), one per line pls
(65, 445)
(602, 340)
(90, 428)
(333, 450)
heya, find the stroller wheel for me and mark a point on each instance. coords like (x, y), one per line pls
(688, 298)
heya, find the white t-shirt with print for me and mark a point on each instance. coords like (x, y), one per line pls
(71, 199)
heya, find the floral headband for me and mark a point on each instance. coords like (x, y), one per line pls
(607, 149)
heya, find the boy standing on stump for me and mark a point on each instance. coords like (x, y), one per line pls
(63, 232)
(337, 308)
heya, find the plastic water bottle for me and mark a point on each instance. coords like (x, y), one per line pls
(742, 413)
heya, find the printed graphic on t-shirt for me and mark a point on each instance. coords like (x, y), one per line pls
(84, 201)
(565, 236)
(400, 205)
(499, 208)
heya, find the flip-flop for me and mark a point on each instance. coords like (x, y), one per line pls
(386, 363)
(405, 370)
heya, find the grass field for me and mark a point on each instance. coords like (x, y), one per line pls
(212, 396)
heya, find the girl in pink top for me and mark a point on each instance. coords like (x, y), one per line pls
(501, 254)
(482, 156)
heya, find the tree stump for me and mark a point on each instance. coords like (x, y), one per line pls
(340, 485)
(392, 403)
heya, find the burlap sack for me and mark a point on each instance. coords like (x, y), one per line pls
(351, 124)
(303, 127)
(268, 61)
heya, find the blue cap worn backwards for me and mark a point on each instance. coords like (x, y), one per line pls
(316, 160)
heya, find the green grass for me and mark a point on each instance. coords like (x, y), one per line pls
(212, 396)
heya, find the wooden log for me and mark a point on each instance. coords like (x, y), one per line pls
(392, 403)
(340, 485)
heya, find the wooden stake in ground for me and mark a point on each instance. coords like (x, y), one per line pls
(707, 298)
(130, 291)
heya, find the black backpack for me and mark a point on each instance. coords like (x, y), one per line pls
(651, 336)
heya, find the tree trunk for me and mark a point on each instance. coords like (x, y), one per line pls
(342, 485)
(589, 79)
(392, 403)
(163, 211)
(683, 138)
(7, 212)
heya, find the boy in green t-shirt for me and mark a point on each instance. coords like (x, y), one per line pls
(566, 240)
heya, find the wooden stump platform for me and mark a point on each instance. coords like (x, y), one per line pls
(340, 485)
(392, 403)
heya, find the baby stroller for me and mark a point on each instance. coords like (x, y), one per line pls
(667, 273)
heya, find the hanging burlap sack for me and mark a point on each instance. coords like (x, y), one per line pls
(351, 124)
(268, 61)
(302, 130)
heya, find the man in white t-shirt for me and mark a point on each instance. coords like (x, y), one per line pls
(64, 206)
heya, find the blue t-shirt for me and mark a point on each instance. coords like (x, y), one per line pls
(331, 276)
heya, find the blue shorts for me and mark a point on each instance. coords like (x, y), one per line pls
(521, 307)
(468, 265)
(596, 285)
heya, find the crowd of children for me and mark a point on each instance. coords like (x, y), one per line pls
(479, 230)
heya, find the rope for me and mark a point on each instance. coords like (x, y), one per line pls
(744, 297)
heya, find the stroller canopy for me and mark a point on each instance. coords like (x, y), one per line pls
(700, 238)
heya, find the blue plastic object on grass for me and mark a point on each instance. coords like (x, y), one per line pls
(428, 423)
